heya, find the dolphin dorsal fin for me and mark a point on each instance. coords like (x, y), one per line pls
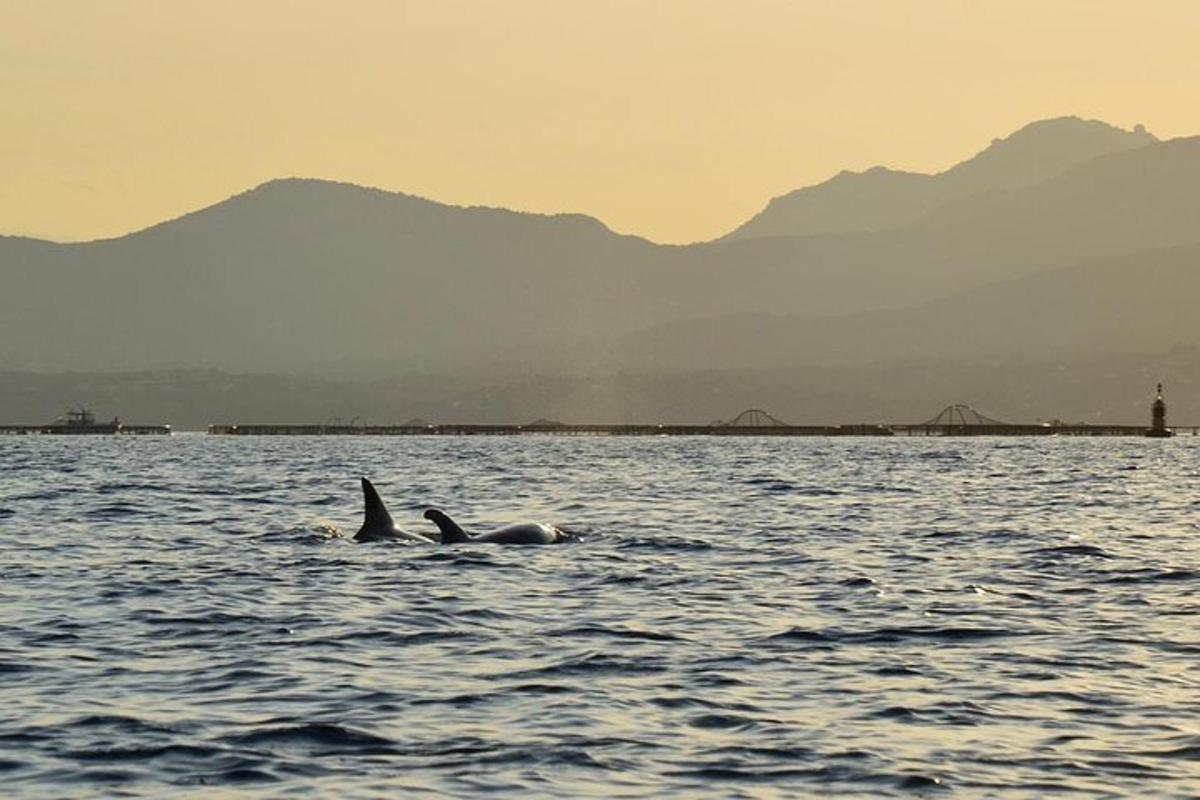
(451, 533)
(375, 514)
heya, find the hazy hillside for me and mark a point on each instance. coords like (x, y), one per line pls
(308, 274)
(299, 273)
(1096, 260)
(1036, 386)
(1143, 303)
(880, 198)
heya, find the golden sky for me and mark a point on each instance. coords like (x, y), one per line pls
(671, 119)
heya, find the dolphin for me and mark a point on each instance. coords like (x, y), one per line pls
(522, 533)
(377, 522)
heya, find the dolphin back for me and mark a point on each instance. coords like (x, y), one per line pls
(524, 533)
(451, 532)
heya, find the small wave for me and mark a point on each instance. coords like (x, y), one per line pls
(104, 776)
(1058, 695)
(1158, 577)
(395, 639)
(793, 753)
(1131, 769)
(541, 688)
(780, 486)
(118, 487)
(666, 543)
(917, 783)
(215, 619)
(603, 631)
(740, 774)
(136, 753)
(481, 612)
(315, 734)
(566, 754)
(894, 635)
(1188, 751)
(45, 494)
(27, 736)
(896, 712)
(934, 633)
(960, 713)
(114, 511)
(706, 679)
(457, 700)
(618, 580)
(596, 663)
(471, 699)
(800, 635)
(235, 775)
(466, 558)
(897, 672)
(319, 533)
(124, 724)
(691, 701)
(941, 455)
(726, 722)
(1073, 550)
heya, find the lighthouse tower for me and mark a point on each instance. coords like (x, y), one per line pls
(1158, 417)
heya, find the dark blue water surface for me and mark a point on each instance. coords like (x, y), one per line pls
(749, 617)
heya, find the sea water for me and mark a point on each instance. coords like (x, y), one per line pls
(756, 617)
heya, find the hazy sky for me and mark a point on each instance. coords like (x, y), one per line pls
(673, 119)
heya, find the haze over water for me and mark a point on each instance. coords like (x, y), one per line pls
(750, 617)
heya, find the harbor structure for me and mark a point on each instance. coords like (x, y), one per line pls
(1158, 417)
(82, 421)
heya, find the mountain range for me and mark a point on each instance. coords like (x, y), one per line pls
(1067, 242)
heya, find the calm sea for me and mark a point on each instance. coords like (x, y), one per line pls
(750, 617)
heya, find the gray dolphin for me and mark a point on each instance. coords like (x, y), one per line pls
(377, 522)
(523, 533)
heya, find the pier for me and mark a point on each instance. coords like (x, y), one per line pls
(687, 430)
(957, 420)
(559, 429)
(954, 420)
(54, 429)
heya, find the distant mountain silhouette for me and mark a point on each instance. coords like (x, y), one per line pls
(297, 273)
(881, 199)
(1070, 239)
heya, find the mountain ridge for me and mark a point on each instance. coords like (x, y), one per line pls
(1029, 139)
(880, 197)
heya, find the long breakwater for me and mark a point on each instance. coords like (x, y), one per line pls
(687, 430)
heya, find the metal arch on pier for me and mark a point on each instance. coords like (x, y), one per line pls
(962, 420)
(960, 414)
(753, 418)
